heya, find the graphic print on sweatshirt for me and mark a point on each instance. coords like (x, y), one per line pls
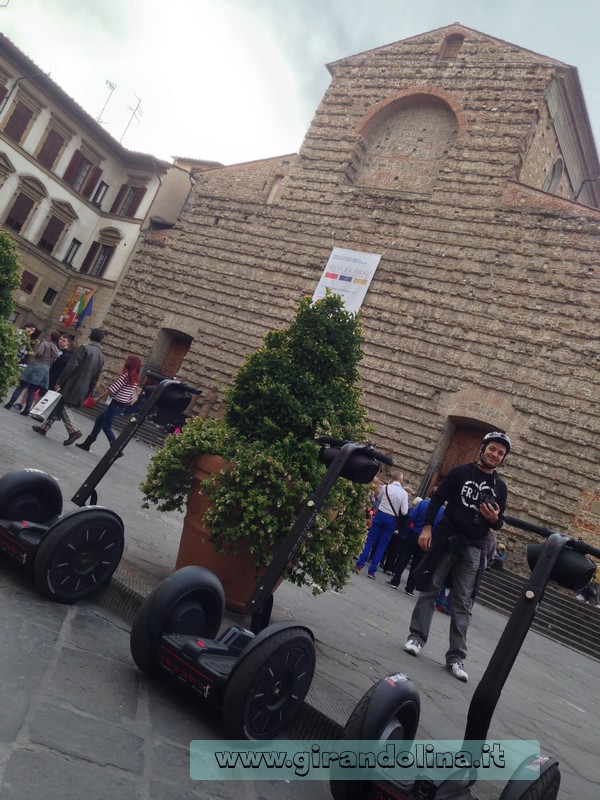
(471, 491)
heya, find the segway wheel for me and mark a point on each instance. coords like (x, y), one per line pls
(78, 555)
(546, 787)
(268, 686)
(190, 602)
(29, 494)
(390, 710)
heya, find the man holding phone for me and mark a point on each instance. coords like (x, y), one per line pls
(475, 500)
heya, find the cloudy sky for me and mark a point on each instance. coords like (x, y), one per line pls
(237, 80)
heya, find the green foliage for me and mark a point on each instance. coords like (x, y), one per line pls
(9, 281)
(299, 384)
(302, 378)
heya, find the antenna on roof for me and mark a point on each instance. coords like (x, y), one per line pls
(112, 87)
(135, 114)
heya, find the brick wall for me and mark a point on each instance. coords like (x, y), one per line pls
(484, 306)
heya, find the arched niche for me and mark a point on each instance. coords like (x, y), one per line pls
(405, 142)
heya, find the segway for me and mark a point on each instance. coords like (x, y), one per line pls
(390, 709)
(259, 677)
(71, 555)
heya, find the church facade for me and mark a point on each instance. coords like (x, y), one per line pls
(469, 165)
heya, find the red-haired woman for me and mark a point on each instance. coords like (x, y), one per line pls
(121, 396)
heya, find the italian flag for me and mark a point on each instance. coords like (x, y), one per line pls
(77, 310)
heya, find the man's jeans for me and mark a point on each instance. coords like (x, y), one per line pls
(464, 567)
(379, 535)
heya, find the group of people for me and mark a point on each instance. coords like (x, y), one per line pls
(450, 540)
(74, 371)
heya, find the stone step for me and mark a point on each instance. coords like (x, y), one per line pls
(560, 616)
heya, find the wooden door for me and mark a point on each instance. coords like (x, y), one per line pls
(178, 349)
(464, 447)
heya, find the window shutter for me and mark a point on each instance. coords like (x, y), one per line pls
(19, 212)
(91, 181)
(89, 259)
(50, 149)
(137, 199)
(73, 168)
(119, 199)
(18, 122)
(51, 235)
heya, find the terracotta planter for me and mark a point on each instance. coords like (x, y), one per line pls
(235, 570)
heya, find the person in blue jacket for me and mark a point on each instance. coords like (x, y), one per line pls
(409, 551)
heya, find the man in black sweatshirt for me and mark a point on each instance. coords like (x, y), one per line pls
(475, 500)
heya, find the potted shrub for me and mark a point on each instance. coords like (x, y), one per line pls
(302, 382)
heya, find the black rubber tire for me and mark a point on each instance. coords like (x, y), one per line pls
(546, 787)
(78, 555)
(191, 602)
(389, 710)
(268, 686)
(31, 495)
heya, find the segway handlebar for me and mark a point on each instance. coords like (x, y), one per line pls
(575, 544)
(184, 387)
(366, 447)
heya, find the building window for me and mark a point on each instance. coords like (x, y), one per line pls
(18, 121)
(99, 194)
(51, 147)
(20, 211)
(128, 200)
(451, 47)
(71, 251)
(82, 174)
(97, 259)
(277, 181)
(553, 178)
(6, 168)
(50, 297)
(28, 282)
(24, 110)
(61, 215)
(52, 233)
(53, 142)
(29, 194)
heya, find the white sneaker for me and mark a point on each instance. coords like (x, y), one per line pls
(413, 647)
(457, 668)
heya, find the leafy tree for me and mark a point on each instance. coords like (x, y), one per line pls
(9, 281)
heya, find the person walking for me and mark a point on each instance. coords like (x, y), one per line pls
(77, 381)
(410, 552)
(393, 504)
(121, 394)
(475, 500)
(67, 348)
(35, 376)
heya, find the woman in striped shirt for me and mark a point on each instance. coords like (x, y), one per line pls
(121, 395)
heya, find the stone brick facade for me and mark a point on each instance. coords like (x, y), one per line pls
(453, 154)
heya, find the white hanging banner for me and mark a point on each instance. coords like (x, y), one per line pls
(348, 273)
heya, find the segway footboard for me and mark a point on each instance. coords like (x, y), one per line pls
(203, 665)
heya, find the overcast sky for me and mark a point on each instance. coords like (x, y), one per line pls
(237, 80)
